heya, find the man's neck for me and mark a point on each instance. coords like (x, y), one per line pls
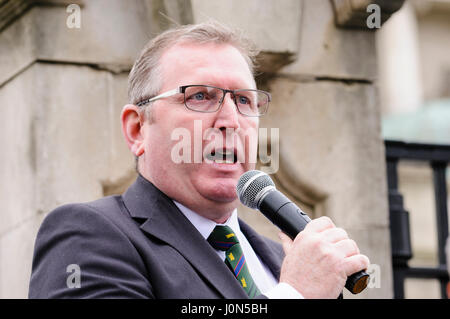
(204, 225)
(219, 212)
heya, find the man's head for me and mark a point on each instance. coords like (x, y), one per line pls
(206, 54)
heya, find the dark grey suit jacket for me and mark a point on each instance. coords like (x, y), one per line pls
(138, 245)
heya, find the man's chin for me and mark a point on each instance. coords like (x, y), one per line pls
(219, 190)
(222, 196)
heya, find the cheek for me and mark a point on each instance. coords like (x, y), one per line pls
(175, 133)
(249, 135)
(251, 146)
(251, 126)
(158, 139)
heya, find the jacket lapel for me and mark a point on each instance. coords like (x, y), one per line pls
(162, 219)
(270, 253)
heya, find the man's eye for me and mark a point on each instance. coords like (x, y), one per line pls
(243, 100)
(200, 96)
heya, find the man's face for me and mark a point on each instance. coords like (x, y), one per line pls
(207, 187)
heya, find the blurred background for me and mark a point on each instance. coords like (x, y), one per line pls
(345, 76)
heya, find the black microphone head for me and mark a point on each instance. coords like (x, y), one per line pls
(252, 185)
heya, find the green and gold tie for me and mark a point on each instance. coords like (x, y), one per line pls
(223, 238)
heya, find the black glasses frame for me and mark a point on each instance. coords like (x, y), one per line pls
(182, 89)
(225, 91)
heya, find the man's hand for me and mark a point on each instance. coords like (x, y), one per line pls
(319, 260)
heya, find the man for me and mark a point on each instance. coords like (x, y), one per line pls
(161, 238)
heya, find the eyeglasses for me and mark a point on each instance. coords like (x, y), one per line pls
(209, 99)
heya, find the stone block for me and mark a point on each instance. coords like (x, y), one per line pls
(68, 142)
(273, 26)
(111, 32)
(17, 49)
(111, 35)
(16, 252)
(330, 140)
(354, 13)
(284, 29)
(18, 169)
(79, 140)
(326, 51)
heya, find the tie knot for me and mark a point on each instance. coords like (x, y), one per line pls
(222, 238)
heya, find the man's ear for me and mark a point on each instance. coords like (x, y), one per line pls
(132, 119)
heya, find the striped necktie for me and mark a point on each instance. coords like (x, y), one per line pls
(223, 238)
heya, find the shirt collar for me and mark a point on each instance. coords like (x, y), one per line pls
(204, 225)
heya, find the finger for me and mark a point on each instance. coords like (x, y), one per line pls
(355, 263)
(347, 247)
(320, 224)
(286, 242)
(334, 235)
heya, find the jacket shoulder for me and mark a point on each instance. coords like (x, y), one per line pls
(89, 236)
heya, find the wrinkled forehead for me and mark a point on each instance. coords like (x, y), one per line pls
(216, 64)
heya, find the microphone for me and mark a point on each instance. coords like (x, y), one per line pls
(256, 190)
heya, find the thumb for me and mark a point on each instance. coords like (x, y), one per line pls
(286, 242)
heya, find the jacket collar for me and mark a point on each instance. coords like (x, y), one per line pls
(268, 255)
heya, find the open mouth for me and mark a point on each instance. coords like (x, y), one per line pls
(223, 156)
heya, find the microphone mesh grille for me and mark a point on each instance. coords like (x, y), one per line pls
(248, 193)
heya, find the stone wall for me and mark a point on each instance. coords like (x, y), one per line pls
(62, 89)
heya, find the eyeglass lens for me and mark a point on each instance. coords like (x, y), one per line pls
(209, 99)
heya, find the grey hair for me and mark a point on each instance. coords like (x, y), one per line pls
(145, 80)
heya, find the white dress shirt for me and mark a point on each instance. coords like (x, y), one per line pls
(262, 276)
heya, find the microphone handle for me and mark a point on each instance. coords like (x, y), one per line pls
(292, 220)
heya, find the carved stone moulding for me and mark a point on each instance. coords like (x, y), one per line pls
(354, 13)
(10, 10)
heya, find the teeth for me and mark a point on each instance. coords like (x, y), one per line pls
(222, 157)
(226, 153)
(219, 161)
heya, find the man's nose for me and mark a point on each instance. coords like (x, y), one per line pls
(228, 114)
